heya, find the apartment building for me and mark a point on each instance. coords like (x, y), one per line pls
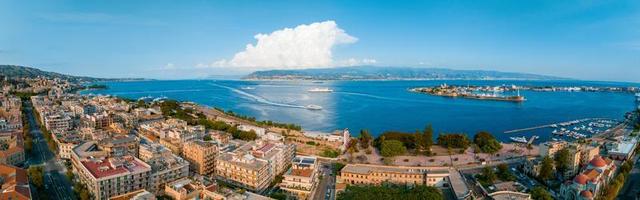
(165, 166)
(244, 170)
(107, 176)
(201, 156)
(58, 122)
(11, 149)
(377, 174)
(301, 179)
(120, 145)
(254, 165)
(66, 141)
(551, 147)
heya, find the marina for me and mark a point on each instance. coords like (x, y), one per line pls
(569, 130)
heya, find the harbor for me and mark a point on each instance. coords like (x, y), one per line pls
(472, 92)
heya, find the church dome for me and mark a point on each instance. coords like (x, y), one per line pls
(581, 179)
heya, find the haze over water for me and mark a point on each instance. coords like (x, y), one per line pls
(388, 105)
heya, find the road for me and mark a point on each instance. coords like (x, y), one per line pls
(631, 188)
(326, 187)
(57, 186)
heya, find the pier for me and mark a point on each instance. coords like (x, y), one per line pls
(550, 125)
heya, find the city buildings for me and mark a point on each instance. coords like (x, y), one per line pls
(301, 179)
(15, 183)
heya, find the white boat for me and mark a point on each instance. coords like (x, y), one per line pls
(313, 107)
(320, 90)
(248, 88)
(519, 139)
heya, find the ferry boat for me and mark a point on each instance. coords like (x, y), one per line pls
(313, 107)
(320, 90)
(519, 139)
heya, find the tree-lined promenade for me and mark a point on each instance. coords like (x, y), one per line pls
(421, 148)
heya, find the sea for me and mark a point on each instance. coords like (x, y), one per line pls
(380, 106)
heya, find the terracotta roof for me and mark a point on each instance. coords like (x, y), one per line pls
(598, 162)
(586, 194)
(103, 167)
(581, 179)
(212, 188)
(302, 172)
(592, 174)
(16, 182)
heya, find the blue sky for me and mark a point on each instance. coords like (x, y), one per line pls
(597, 40)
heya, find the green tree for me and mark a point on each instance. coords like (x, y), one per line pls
(504, 173)
(36, 175)
(330, 153)
(365, 139)
(84, 194)
(454, 140)
(539, 193)
(487, 176)
(562, 160)
(487, 142)
(546, 169)
(390, 148)
(207, 138)
(428, 136)
(420, 143)
(390, 192)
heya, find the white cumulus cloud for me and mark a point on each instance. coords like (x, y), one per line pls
(305, 46)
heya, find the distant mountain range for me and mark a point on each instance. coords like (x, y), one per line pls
(16, 71)
(391, 73)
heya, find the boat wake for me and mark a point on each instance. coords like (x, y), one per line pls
(259, 98)
(157, 92)
(372, 96)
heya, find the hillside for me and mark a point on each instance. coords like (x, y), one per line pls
(15, 71)
(389, 73)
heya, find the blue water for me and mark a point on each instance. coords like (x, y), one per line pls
(387, 105)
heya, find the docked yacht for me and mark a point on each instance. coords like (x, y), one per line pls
(519, 139)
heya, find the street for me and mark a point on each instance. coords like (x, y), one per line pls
(326, 187)
(57, 186)
(631, 188)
